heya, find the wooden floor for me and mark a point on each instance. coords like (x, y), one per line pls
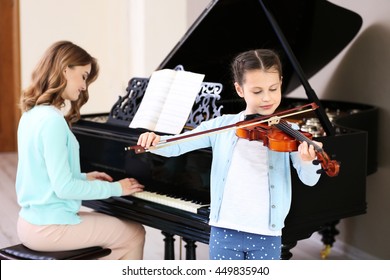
(309, 249)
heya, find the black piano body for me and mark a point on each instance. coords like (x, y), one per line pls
(315, 34)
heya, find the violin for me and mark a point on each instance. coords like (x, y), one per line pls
(272, 137)
(277, 135)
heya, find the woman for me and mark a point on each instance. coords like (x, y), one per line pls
(49, 184)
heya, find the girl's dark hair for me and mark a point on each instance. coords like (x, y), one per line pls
(48, 80)
(260, 59)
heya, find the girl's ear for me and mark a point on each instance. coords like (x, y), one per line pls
(239, 90)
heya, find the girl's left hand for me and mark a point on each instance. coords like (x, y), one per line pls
(95, 175)
(307, 151)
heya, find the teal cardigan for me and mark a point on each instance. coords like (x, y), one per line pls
(49, 183)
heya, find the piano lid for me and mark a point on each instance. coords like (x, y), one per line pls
(316, 31)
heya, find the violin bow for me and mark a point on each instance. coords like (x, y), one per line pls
(262, 119)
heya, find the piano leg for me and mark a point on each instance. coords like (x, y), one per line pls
(169, 250)
(190, 249)
(328, 233)
(285, 252)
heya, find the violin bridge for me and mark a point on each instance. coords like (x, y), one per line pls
(273, 120)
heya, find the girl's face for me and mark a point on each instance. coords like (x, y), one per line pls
(76, 81)
(261, 91)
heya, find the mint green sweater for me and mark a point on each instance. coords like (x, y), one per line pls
(49, 183)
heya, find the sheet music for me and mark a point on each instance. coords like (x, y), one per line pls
(168, 101)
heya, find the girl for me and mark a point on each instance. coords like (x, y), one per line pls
(49, 184)
(250, 184)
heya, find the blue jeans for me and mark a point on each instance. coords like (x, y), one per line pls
(228, 244)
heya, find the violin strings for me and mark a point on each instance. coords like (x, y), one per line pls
(284, 126)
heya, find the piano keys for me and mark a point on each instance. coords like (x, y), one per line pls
(175, 202)
(316, 31)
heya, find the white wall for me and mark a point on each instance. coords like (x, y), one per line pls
(128, 37)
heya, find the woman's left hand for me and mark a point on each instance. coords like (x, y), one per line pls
(307, 152)
(95, 175)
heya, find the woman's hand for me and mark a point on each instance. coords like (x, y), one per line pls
(130, 186)
(95, 175)
(148, 139)
(307, 152)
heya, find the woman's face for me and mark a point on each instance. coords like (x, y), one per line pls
(261, 91)
(76, 81)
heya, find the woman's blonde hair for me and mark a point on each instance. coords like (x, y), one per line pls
(48, 80)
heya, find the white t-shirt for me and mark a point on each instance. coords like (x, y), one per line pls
(245, 203)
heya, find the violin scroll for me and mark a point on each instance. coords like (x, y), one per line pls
(330, 167)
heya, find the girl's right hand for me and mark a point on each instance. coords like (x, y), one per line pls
(130, 186)
(148, 139)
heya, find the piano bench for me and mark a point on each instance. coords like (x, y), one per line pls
(21, 252)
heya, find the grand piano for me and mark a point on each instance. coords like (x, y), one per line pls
(307, 34)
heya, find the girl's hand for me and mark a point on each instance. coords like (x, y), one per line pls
(307, 152)
(95, 175)
(130, 186)
(148, 139)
